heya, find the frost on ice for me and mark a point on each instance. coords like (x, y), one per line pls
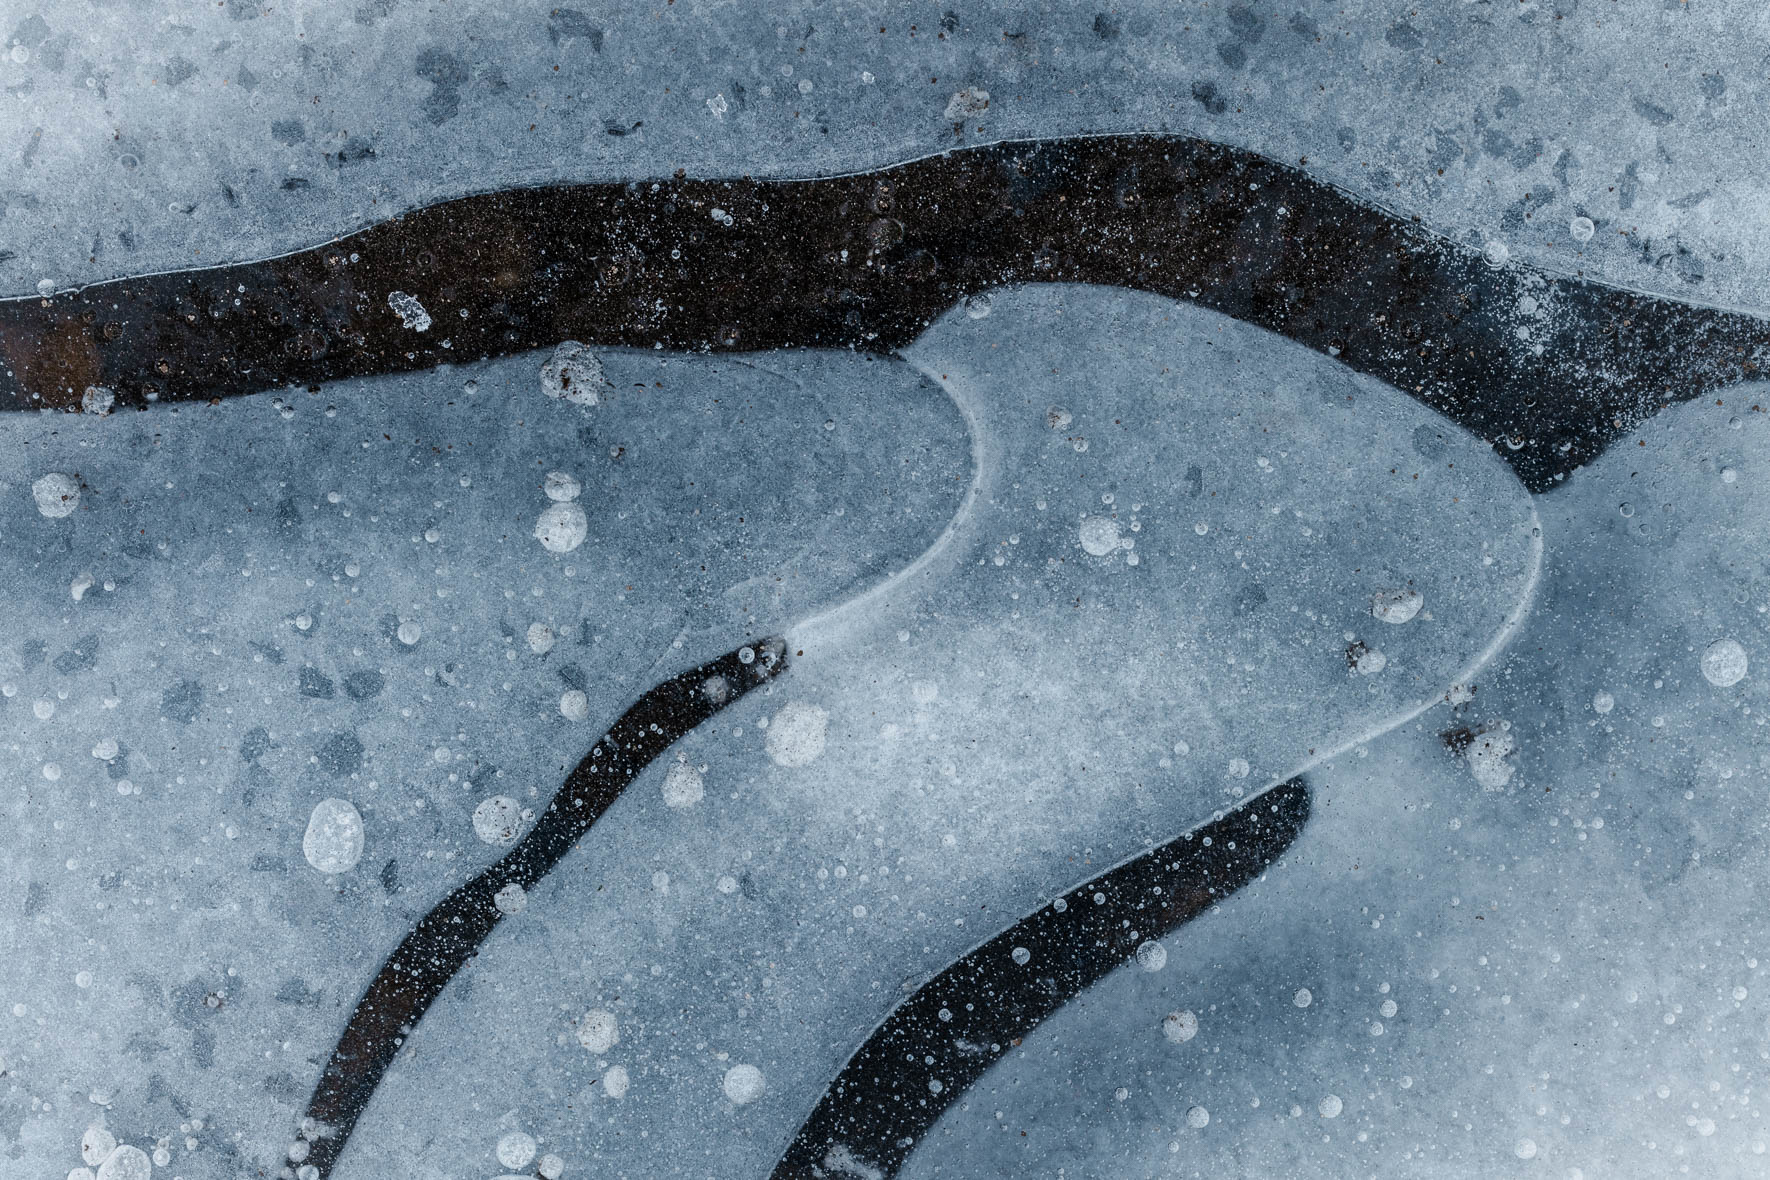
(334, 839)
(411, 313)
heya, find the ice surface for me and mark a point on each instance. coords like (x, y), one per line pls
(1078, 571)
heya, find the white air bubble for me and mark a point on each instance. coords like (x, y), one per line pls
(683, 786)
(1724, 663)
(598, 1031)
(334, 839)
(516, 1149)
(743, 1084)
(1180, 1027)
(57, 494)
(574, 374)
(1100, 535)
(796, 735)
(562, 527)
(497, 820)
(1152, 956)
(561, 487)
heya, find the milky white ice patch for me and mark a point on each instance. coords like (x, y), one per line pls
(411, 313)
(683, 786)
(599, 1031)
(512, 899)
(561, 487)
(1396, 606)
(574, 374)
(574, 705)
(334, 839)
(1099, 535)
(1331, 1106)
(541, 638)
(1303, 998)
(743, 1083)
(796, 735)
(57, 494)
(1487, 758)
(1152, 956)
(1180, 1027)
(1724, 663)
(615, 1082)
(497, 820)
(562, 527)
(1198, 1118)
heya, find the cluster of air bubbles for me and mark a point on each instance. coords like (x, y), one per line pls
(562, 525)
(113, 1161)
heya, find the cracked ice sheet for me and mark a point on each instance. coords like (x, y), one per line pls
(1576, 965)
(992, 733)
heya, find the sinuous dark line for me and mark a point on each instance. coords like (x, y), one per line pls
(451, 933)
(938, 1042)
(868, 261)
